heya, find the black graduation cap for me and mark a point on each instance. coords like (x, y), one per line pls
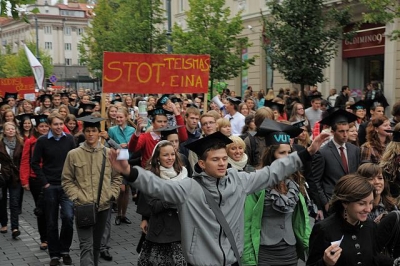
(9, 95)
(44, 97)
(192, 105)
(176, 100)
(299, 124)
(40, 119)
(274, 106)
(91, 121)
(360, 105)
(201, 145)
(96, 98)
(277, 133)
(158, 111)
(64, 94)
(395, 135)
(168, 130)
(3, 103)
(87, 106)
(233, 100)
(338, 116)
(163, 100)
(23, 117)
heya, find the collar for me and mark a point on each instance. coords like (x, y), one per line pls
(155, 136)
(337, 145)
(51, 135)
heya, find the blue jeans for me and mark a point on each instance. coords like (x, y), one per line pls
(58, 244)
(14, 191)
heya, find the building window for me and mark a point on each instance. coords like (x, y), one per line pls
(47, 29)
(181, 4)
(68, 46)
(81, 31)
(68, 61)
(48, 45)
(67, 30)
(51, 60)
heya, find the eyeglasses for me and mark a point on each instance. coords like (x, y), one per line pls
(208, 123)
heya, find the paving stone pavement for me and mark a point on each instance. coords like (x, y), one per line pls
(25, 251)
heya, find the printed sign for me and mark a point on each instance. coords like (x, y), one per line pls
(22, 85)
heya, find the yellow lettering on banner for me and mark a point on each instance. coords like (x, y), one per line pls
(138, 73)
(178, 63)
(129, 68)
(110, 66)
(199, 82)
(173, 81)
(158, 65)
(169, 62)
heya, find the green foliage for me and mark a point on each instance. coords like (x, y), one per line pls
(300, 45)
(123, 26)
(17, 65)
(383, 11)
(212, 31)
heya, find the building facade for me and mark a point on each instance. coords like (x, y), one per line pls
(57, 29)
(371, 56)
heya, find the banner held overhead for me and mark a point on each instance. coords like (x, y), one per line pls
(155, 73)
(22, 85)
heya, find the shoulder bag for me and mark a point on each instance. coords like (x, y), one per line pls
(86, 215)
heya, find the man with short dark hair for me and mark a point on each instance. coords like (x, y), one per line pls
(192, 117)
(343, 97)
(334, 160)
(47, 163)
(204, 242)
(395, 114)
(314, 112)
(236, 118)
(56, 100)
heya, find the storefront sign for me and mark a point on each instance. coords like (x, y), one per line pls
(155, 73)
(368, 41)
(22, 85)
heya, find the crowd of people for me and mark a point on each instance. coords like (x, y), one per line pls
(269, 163)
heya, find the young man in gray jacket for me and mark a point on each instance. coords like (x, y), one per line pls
(203, 240)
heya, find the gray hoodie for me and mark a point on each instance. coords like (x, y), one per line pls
(203, 241)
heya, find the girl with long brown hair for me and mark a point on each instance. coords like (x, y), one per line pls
(377, 139)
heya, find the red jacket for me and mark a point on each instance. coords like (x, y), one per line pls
(25, 170)
(145, 142)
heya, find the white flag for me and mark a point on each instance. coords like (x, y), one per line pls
(37, 68)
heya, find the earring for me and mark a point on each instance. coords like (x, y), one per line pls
(345, 214)
(158, 162)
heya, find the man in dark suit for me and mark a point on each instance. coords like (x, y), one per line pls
(336, 159)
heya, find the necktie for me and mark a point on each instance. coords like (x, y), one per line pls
(344, 161)
(230, 118)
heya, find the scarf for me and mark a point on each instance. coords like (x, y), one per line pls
(238, 165)
(10, 144)
(171, 174)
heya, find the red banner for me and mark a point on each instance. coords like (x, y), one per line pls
(22, 85)
(155, 73)
(369, 40)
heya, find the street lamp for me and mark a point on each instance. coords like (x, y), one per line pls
(37, 38)
(169, 26)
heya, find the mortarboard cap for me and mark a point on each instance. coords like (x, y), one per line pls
(163, 100)
(277, 133)
(9, 95)
(3, 103)
(338, 116)
(274, 106)
(192, 105)
(201, 145)
(23, 117)
(87, 106)
(91, 121)
(395, 135)
(44, 97)
(299, 124)
(360, 105)
(40, 119)
(96, 98)
(64, 94)
(158, 111)
(166, 131)
(176, 100)
(233, 100)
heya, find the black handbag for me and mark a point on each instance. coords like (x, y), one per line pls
(86, 215)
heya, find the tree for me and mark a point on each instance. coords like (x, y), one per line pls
(383, 11)
(123, 26)
(300, 45)
(17, 65)
(212, 31)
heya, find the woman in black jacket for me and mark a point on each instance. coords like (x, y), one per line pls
(348, 226)
(163, 239)
(10, 157)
